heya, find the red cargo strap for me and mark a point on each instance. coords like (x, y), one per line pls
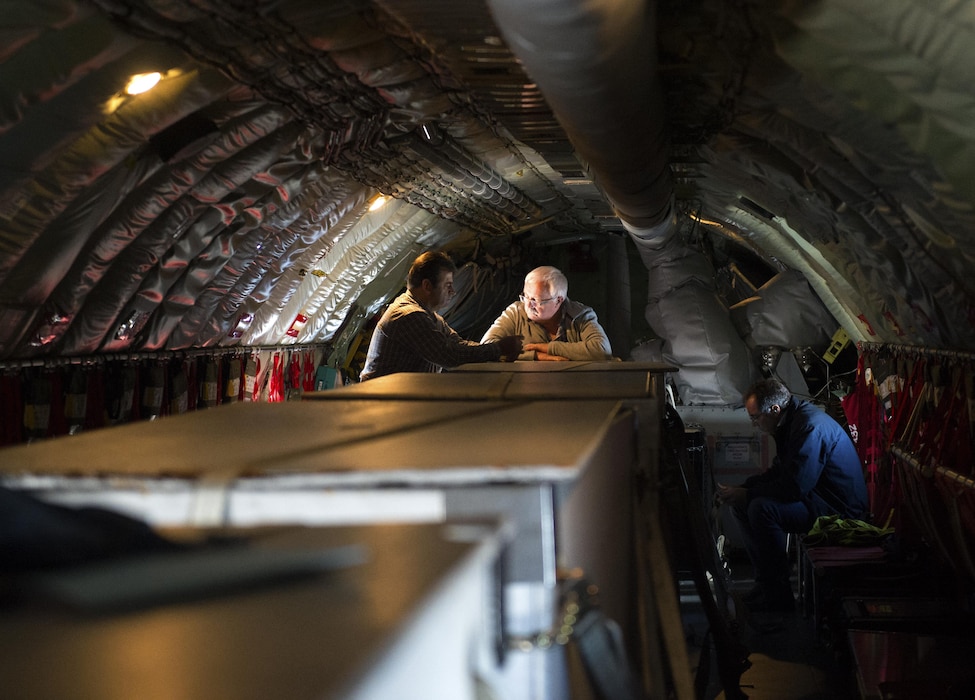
(308, 374)
(275, 390)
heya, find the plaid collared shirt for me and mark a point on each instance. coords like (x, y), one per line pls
(411, 338)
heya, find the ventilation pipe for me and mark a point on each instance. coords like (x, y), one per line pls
(595, 61)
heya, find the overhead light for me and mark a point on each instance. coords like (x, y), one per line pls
(141, 82)
(378, 202)
(701, 220)
(431, 134)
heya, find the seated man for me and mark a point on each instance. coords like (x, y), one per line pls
(816, 471)
(412, 337)
(553, 326)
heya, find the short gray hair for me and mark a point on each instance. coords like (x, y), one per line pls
(553, 277)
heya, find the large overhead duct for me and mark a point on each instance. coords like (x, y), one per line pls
(595, 61)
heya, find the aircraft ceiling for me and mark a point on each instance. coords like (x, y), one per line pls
(717, 142)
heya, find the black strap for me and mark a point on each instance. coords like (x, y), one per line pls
(599, 642)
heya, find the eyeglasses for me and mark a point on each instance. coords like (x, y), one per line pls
(535, 302)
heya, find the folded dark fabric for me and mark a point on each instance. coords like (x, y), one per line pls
(36, 535)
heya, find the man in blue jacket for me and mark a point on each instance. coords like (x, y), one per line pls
(816, 471)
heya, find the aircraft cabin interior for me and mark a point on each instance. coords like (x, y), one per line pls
(211, 486)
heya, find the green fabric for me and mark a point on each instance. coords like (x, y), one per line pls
(833, 529)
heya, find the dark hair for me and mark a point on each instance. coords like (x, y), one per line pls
(768, 393)
(428, 266)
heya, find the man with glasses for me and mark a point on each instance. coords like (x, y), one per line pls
(816, 471)
(412, 337)
(553, 326)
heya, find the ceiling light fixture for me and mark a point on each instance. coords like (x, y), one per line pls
(142, 82)
(431, 134)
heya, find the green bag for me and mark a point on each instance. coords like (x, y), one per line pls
(834, 529)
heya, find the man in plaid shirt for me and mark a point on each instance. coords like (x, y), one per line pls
(412, 337)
